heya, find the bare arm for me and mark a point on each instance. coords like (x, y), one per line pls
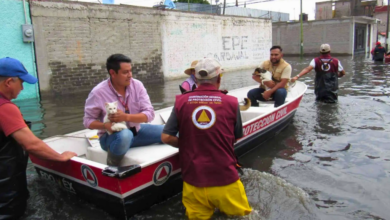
(170, 140)
(101, 126)
(121, 116)
(279, 85)
(302, 73)
(256, 78)
(37, 147)
(342, 73)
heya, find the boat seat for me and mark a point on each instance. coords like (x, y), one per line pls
(135, 155)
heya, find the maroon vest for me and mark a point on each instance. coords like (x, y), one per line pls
(326, 79)
(206, 119)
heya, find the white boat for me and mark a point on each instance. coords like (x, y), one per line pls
(150, 174)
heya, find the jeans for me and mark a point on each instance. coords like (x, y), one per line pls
(120, 142)
(279, 96)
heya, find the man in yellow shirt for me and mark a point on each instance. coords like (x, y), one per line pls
(281, 74)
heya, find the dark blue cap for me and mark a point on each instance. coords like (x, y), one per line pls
(14, 68)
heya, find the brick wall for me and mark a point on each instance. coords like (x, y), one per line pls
(73, 41)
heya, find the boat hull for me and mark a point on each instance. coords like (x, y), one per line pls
(155, 182)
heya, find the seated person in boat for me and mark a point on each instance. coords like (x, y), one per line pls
(17, 141)
(133, 106)
(328, 69)
(208, 131)
(190, 83)
(281, 73)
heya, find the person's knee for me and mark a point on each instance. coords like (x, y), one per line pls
(122, 142)
(281, 92)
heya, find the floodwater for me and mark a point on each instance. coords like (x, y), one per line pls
(332, 162)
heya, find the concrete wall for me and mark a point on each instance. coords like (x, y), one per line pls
(323, 10)
(342, 9)
(75, 39)
(336, 32)
(383, 17)
(11, 41)
(339, 33)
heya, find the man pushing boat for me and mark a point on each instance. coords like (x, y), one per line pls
(208, 123)
(128, 96)
(17, 141)
(281, 74)
(328, 69)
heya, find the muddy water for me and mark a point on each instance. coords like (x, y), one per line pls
(332, 162)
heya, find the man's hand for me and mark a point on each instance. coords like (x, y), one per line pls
(118, 117)
(270, 84)
(267, 94)
(294, 79)
(67, 155)
(256, 78)
(341, 74)
(107, 126)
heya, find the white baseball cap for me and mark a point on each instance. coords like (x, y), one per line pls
(325, 48)
(207, 68)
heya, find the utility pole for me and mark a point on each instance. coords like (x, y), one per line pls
(387, 26)
(301, 31)
(224, 6)
(188, 5)
(236, 3)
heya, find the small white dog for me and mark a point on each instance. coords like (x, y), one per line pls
(111, 108)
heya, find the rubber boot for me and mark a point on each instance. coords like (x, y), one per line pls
(114, 160)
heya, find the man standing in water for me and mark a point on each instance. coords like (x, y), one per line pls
(328, 70)
(17, 141)
(379, 52)
(281, 73)
(208, 131)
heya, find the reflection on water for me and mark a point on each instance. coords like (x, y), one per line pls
(332, 162)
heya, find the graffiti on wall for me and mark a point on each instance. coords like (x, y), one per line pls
(235, 47)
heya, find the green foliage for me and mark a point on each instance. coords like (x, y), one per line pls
(195, 1)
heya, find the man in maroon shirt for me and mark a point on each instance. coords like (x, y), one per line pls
(17, 141)
(209, 123)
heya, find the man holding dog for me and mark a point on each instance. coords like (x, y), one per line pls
(281, 74)
(17, 141)
(207, 132)
(134, 108)
(328, 70)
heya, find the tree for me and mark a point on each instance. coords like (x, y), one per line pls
(194, 1)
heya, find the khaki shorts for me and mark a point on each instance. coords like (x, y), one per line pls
(200, 202)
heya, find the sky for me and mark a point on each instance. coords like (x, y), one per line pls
(288, 6)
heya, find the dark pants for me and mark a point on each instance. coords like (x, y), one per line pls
(279, 96)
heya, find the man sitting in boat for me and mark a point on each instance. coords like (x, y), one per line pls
(328, 69)
(209, 123)
(281, 74)
(17, 141)
(190, 83)
(134, 108)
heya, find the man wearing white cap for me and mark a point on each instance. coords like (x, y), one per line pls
(190, 83)
(328, 70)
(209, 123)
(16, 141)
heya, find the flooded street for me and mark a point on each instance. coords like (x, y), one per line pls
(332, 162)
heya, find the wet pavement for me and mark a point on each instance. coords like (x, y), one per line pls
(332, 162)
